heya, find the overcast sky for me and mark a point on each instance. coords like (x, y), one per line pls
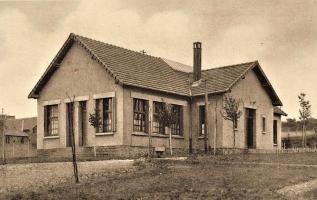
(281, 35)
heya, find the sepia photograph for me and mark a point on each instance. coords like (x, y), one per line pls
(161, 99)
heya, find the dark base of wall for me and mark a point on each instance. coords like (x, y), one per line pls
(107, 152)
(131, 152)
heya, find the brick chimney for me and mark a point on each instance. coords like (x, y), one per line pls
(197, 61)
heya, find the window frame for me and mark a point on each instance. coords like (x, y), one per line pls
(51, 120)
(202, 115)
(107, 124)
(177, 128)
(264, 124)
(142, 126)
(157, 127)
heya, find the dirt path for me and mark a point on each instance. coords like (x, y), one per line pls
(296, 191)
(267, 163)
(37, 175)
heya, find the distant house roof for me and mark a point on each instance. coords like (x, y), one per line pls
(131, 68)
(16, 127)
(279, 111)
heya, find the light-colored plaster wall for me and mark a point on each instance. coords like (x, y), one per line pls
(252, 95)
(79, 76)
(138, 139)
(215, 121)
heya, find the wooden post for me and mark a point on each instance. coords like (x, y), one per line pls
(3, 117)
(13, 146)
(206, 118)
(170, 140)
(28, 147)
(95, 152)
(150, 132)
(190, 118)
(215, 129)
(71, 129)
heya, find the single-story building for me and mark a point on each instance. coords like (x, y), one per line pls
(128, 88)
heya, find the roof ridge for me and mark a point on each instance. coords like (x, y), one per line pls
(134, 51)
(230, 65)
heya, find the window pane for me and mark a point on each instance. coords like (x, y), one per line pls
(139, 109)
(52, 120)
(175, 128)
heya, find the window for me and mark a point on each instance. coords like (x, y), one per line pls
(201, 120)
(157, 127)
(263, 124)
(275, 132)
(104, 110)
(51, 120)
(177, 128)
(140, 113)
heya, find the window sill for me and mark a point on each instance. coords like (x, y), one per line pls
(202, 137)
(104, 134)
(263, 132)
(157, 135)
(139, 134)
(275, 145)
(52, 137)
(178, 137)
(236, 129)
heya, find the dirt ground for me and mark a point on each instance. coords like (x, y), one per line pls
(204, 177)
(38, 176)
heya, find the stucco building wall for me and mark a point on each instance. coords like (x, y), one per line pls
(138, 139)
(252, 95)
(81, 77)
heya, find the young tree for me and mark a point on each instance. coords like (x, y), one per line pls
(304, 115)
(70, 115)
(96, 122)
(95, 119)
(231, 113)
(167, 117)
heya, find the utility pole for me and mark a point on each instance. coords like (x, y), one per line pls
(190, 118)
(3, 119)
(206, 118)
(215, 129)
(150, 132)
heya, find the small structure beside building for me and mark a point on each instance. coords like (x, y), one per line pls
(128, 88)
(20, 137)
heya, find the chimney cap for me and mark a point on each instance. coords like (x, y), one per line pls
(197, 44)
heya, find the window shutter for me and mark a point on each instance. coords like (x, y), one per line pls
(181, 121)
(114, 114)
(45, 121)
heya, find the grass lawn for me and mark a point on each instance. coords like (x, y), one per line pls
(202, 178)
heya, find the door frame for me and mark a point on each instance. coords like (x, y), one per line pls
(250, 113)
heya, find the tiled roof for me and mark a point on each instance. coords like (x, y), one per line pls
(137, 69)
(14, 126)
(279, 111)
(132, 68)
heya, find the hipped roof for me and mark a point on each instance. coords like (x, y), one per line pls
(131, 68)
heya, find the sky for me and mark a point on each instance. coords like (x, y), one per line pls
(281, 35)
